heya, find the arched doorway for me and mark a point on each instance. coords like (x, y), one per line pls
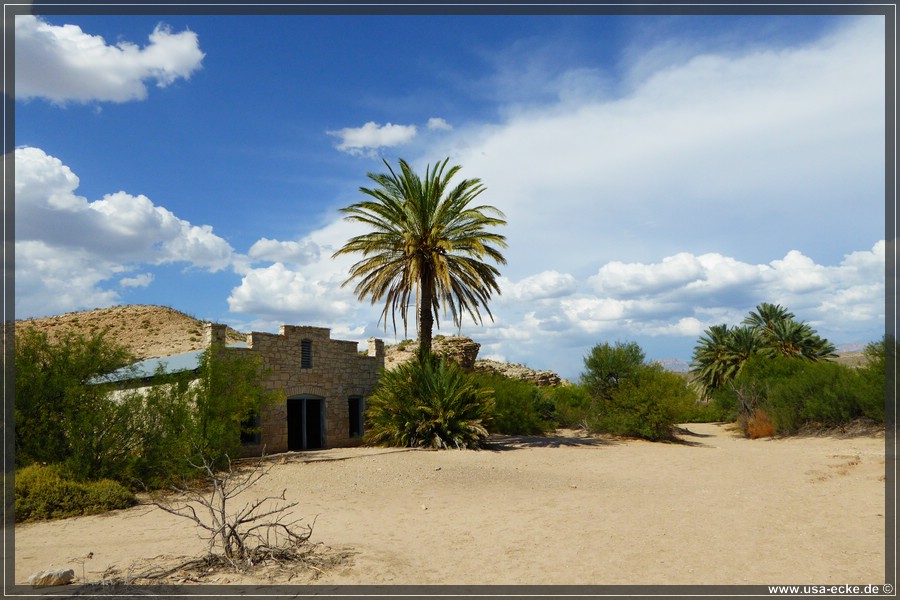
(306, 422)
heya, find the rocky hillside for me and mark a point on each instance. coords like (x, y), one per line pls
(148, 331)
(464, 351)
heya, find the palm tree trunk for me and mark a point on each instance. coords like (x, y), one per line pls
(426, 319)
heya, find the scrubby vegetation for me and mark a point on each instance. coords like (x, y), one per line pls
(52, 384)
(71, 417)
(43, 492)
(783, 395)
(519, 408)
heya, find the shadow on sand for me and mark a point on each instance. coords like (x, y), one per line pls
(575, 440)
(516, 442)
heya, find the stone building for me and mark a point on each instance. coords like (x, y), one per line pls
(325, 383)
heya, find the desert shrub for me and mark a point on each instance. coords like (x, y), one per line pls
(42, 492)
(823, 393)
(796, 393)
(758, 424)
(572, 404)
(51, 379)
(428, 402)
(647, 405)
(520, 407)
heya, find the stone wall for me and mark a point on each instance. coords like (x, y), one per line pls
(336, 372)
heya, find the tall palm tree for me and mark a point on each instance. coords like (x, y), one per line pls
(426, 241)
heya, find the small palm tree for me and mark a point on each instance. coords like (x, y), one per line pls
(429, 402)
(790, 338)
(767, 315)
(780, 334)
(719, 355)
(427, 244)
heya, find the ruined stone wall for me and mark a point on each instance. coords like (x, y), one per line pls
(337, 371)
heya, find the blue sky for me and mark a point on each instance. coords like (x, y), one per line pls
(659, 174)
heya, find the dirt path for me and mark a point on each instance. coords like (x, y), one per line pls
(564, 510)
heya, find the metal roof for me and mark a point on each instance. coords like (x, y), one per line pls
(177, 363)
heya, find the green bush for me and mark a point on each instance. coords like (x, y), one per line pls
(51, 381)
(647, 405)
(572, 404)
(428, 402)
(520, 407)
(606, 367)
(42, 492)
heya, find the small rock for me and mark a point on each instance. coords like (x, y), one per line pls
(51, 578)
(424, 507)
(438, 469)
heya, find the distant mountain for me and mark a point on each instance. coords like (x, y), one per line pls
(674, 364)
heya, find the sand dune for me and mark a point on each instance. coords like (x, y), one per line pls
(558, 510)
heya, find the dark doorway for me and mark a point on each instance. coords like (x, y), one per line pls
(305, 423)
(356, 416)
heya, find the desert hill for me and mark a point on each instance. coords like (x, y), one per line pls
(148, 331)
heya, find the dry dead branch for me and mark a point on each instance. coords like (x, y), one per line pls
(263, 531)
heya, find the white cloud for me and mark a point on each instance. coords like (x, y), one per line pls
(63, 63)
(371, 136)
(548, 284)
(142, 280)
(276, 291)
(439, 123)
(59, 233)
(681, 296)
(297, 253)
(52, 282)
(119, 226)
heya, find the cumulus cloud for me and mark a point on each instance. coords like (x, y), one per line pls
(120, 225)
(59, 232)
(52, 282)
(439, 123)
(372, 136)
(682, 295)
(64, 63)
(297, 253)
(312, 292)
(279, 291)
(548, 284)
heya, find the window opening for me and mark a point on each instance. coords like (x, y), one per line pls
(306, 354)
(250, 430)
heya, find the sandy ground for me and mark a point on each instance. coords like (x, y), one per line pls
(558, 510)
